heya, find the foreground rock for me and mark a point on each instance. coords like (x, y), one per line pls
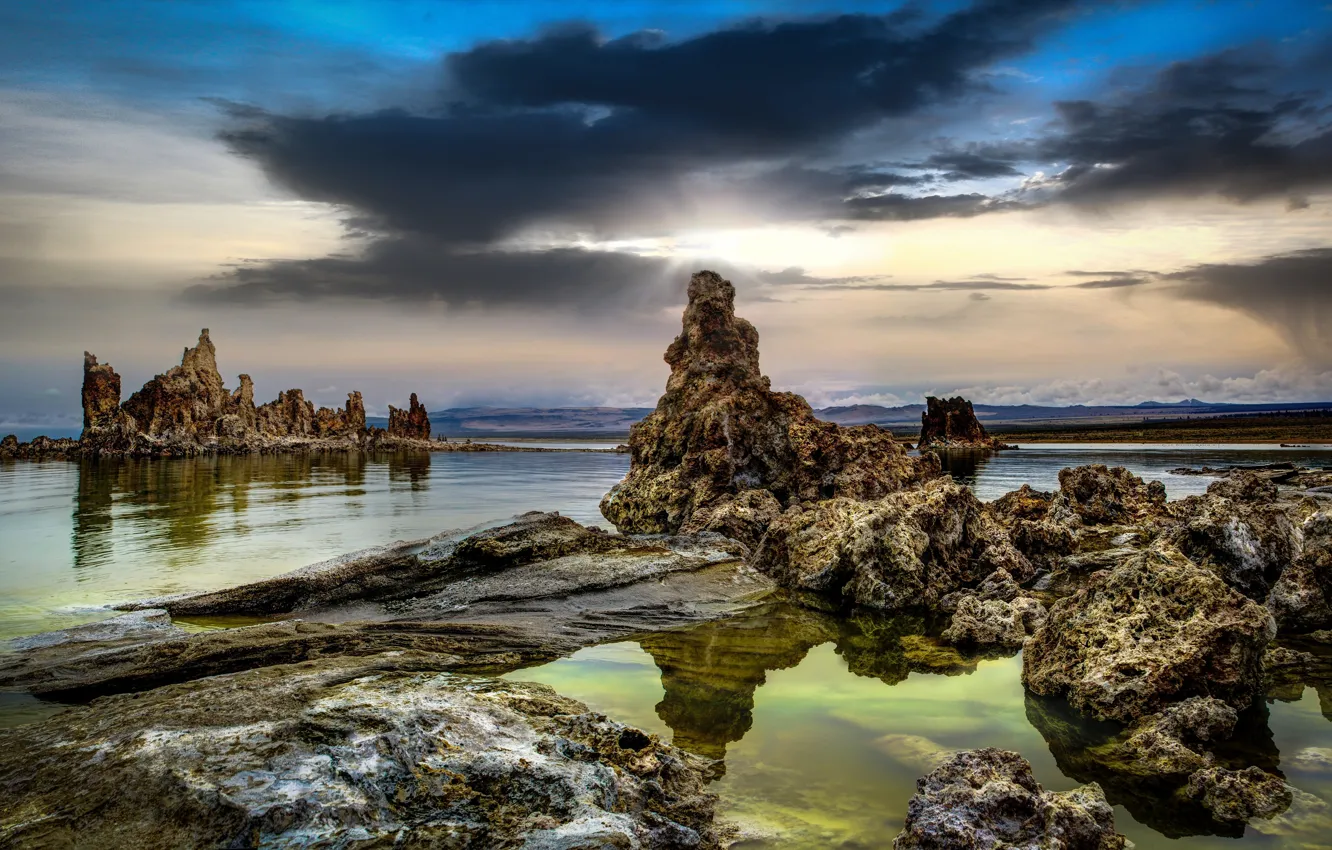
(988, 798)
(1155, 630)
(720, 431)
(951, 423)
(907, 550)
(335, 753)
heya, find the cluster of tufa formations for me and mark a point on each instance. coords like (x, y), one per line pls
(1150, 631)
(188, 411)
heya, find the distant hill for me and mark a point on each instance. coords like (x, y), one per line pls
(614, 422)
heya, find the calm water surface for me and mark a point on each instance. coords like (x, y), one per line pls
(74, 536)
(824, 727)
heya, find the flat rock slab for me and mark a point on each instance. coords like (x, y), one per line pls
(345, 752)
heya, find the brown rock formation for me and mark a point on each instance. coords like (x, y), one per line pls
(101, 393)
(720, 430)
(951, 423)
(185, 403)
(348, 422)
(289, 415)
(106, 428)
(1157, 629)
(412, 423)
(904, 551)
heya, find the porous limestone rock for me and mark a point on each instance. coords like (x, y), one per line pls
(1299, 600)
(1238, 796)
(906, 550)
(347, 752)
(951, 423)
(1157, 629)
(987, 799)
(744, 517)
(1238, 530)
(720, 430)
(1099, 495)
(994, 623)
(412, 423)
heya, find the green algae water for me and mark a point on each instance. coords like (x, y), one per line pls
(822, 727)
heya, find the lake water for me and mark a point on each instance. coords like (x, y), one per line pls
(824, 728)
(821, 722)
(77, 536)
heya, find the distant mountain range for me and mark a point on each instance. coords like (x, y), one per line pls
(614, 422)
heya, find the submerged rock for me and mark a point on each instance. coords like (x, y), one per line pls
(951, 423)
(988, 799)
(410, 424)
(907, 550)
(338, 753)
(719, 430)
(1155, 630)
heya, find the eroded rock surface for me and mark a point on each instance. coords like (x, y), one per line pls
(336, 752)
(719, 430)
(907, 550)
(410, 424)
(1155, 630)
(994, 623)
(1099, 495)
(988, 798)
(951, 423)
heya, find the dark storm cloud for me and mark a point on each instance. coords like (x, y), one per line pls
(415, 269)
(895, 206)
(1290, 292)
(570, 130)
(1241, 124)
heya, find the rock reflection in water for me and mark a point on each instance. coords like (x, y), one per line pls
(964, 465)
(710, 672)
(1085, 750)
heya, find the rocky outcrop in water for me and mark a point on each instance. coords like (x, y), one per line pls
(1238, 530)
(985, 623)
(1156, 629)
(987, 799)
(907, 550)
(342, 751)
(1301, 598)
(1099, 495)
(951, 423)
(410, 424)
(719, 430)
(188, 411)
(183, 404)
(347, 422)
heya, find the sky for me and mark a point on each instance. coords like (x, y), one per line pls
(500, 203)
